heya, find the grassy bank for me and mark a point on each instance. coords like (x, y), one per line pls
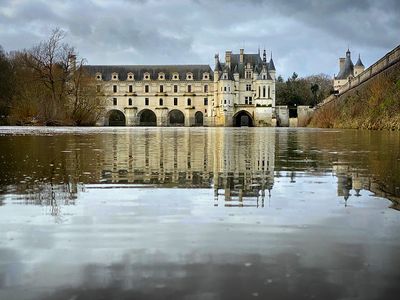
(373, 105)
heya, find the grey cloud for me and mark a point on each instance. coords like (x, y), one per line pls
(306, 36)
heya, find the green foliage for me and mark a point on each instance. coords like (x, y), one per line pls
(302, 91)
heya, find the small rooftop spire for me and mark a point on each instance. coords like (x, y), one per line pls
(359, 62)
(264, 56)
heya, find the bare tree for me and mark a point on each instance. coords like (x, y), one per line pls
(51, 64)
(86, 98)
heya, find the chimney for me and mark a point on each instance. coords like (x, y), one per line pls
(241, 56)
(228, 58)
(216, 59)
(341, 63)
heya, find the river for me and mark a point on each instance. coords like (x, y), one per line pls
(199, 213)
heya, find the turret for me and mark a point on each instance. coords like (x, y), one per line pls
(228, 55)
(271, 67)
(358, 67)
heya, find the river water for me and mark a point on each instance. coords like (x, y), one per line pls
(199, 213)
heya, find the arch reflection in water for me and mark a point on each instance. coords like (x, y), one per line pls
(239, 165)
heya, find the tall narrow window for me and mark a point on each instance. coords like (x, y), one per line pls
(263, 91)
(161, 102)
(206, 88)
(175, 101)
(175, 88)
(130, 101)
(115, 101)
(246, 100)
(161, 88)
(189, 102)
(130, 88)
(248, 87)
(189, 88)
(146, 88)
(250, 100)
(269, 92)
(146, 101)
(98, 88)
(114, 88)
(205, 101)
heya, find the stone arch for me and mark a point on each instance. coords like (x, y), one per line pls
(243, 118)
(147, 117)
(198, 119)
(176, 118)
(115, 117)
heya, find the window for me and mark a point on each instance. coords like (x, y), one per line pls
(130, 88)
(115, 101)
(175, 88)
(114, 88)
(146, 88)
(98, 88)
(264, 77)
(189, 102)
(206, 88)
(146, 101)
(248, 87)
(114, 76)
(246, 100)
(161, 102)
(263, 91)
(248, 74)
(161, 88)
(269, 92)
(189, 76)
(175, 76)
(205, 101)
(161, 76)
(250, 100)
(224, 88)
(130, 101)
(189, 88)
(98, 76)
(130, 76)
(175, 101)
(146, 76)
(225, 101)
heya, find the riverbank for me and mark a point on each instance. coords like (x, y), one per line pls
(374, 105)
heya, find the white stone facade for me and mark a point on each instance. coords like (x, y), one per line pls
(239, 92)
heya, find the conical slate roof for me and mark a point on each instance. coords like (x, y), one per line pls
(271, 64)
(359, 62)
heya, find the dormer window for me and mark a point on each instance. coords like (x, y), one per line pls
(130, 76)
(161, 76)
(175, 76)
(114, 76)
(98, 76)
(248, 75)
(225, 76)
(206, 76)
(146, 76)
(189, 76)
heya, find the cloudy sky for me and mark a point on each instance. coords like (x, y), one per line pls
(305, 36)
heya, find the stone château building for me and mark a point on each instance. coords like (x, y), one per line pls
(239, 92)
(347, 70)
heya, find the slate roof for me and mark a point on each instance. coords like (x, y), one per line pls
(153, 70)
(359, 62)
(348, 68)
(254, 60)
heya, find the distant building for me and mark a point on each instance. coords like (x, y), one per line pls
(347, 70)
(239, 92)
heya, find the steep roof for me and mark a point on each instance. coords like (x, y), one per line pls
(359, 62)
(348, 68)
(254, 60)
(153, 70)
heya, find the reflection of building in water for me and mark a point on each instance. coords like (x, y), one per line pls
(238, 163)
(352, 180)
